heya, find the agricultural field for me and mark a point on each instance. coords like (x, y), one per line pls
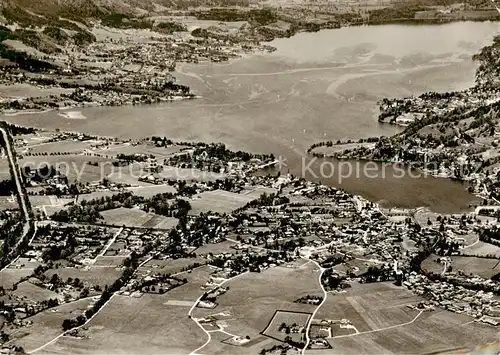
(170, 266)
(109, 261)
(88, 169)
(432, 332)
(23, 267)
(368, 307)
(30, 292)
(133, 217)
(383, 323)
(130, 325)
(482, 249)
(256, 192)
(197, 281)
(160, 153)
(73, 147)
(170, 172)
(89, 275)
(216, 248)
(250, 304)
(47, 325)
(8, 203)
(218, 201)
(484, 267)
(290, 319)
(145, 191)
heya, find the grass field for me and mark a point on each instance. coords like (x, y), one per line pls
(146, 191)
(216, 248)
(29, 291)
(109, 261)
(125, 148)
(48, 324)
(129, 325)
(69, 146)
(133, 217)
(484, 267)
(170, 266)
(218, 201)
(482, 249)
(91, 276)
(253, 298)
(78, 168)
(194, 288)
(368, 307)
(385, 325)
(174, 173)
(436, 332)
(21, 268)
(288, 318)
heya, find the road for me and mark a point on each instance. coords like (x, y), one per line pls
(16, 175)
(53, 340)
(311, 318)
(196, 320)
(22, 196)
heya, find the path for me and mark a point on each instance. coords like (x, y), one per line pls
(311, 318)
(89, 319)
(196, 320)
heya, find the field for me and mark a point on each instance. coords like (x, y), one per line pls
(48, 324)
(146, 191)
(109, 261)
(197, 281)
(288, 318)
(218, 201)
(216, 248)
(170, 172)
(256, 192)
(133, 217)
(436, 332)
(383, 324)
(90, 275)
(170, 266)
(78, 168)
(482, 249)
(68, 146)
(32, 292)
(368, 307)
(483, 267)
(159, 152)
(128, 325)
(249, 305)
(8, 202)
(13, 274)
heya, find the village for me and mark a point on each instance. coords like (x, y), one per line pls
(181, 220)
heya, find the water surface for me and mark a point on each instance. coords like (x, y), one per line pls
(316, 86)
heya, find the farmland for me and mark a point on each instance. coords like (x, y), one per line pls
(297, 321)
(133, 217)
(170, 266)
(383, 324)
(23, 267)
(218, 201)
(250, 304)
(89, 275)
(484, 267)
(47, 324)
(129, 325)
(368, 307)
(439, 331)
(482, 249)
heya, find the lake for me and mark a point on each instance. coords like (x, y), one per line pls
(314, 87)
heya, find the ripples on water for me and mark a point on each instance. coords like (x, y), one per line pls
(316, 86)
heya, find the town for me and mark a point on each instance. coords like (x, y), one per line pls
(183, 223)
